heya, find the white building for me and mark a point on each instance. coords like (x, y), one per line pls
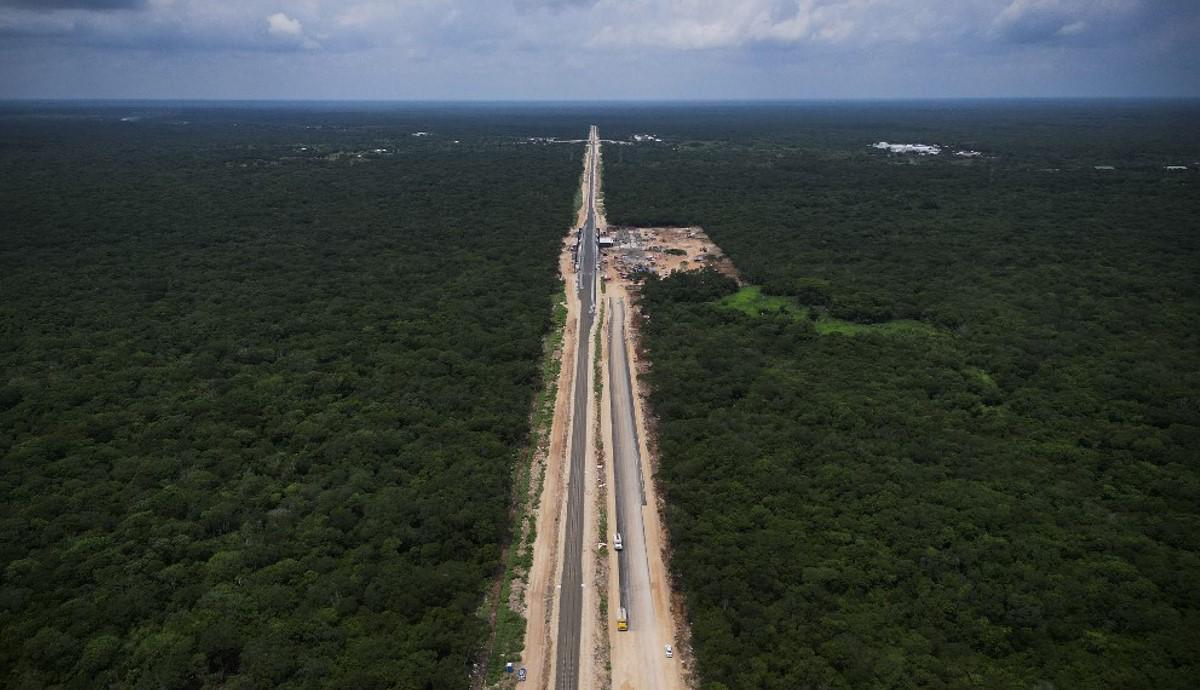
(919, 149)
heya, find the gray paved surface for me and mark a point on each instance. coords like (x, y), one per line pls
(628, 488)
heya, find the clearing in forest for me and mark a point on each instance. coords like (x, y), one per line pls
(751, 301)
(661, 251)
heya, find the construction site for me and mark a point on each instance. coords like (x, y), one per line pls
(628, 251)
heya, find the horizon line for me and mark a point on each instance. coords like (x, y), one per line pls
(582, 101)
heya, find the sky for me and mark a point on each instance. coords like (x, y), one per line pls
(598, 49)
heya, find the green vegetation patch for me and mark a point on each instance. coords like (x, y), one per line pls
(751, 300)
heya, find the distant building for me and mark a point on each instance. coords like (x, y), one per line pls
(605, 241)
(1177, 167)
(919, 149)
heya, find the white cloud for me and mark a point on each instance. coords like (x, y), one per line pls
(1073, 28)
(290, 31)
(703, 24)
(279, 24)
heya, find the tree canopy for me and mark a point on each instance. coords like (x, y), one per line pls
(265, 378)
(1006, 496)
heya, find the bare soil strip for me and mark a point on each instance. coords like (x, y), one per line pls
(541, 621)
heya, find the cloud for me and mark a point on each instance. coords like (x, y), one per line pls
(712, 24)
(94, 5)
(701, 25)
(1041, 21)
(279, 24)
(552, 5)
(167, 26)
(289, 31)
(551, 48)
(548, 26)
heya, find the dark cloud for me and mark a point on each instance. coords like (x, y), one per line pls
(1036, 26)
(1178, 13)
(1086, 21)
(94, 5)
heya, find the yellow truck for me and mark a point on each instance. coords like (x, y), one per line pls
(622, 620)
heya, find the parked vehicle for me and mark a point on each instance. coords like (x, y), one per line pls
(670, 652)
(617, 542)
(622, 620)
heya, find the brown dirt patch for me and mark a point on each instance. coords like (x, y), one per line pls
(662, 251)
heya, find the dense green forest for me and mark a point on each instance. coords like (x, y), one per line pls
(265, 375)
(1003, 492)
